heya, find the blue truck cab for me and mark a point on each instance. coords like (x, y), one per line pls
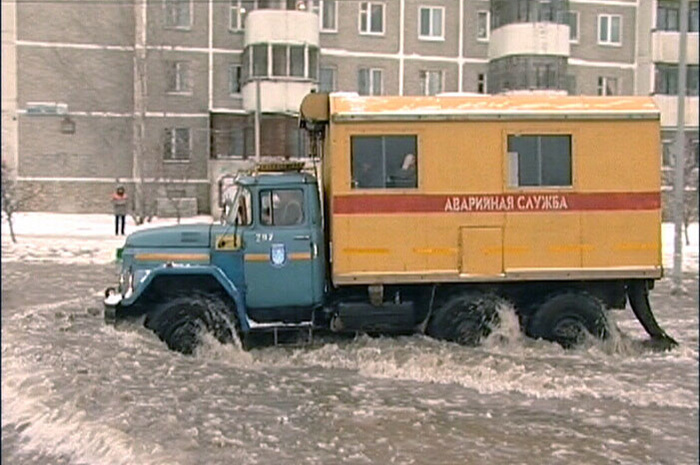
(262, 268)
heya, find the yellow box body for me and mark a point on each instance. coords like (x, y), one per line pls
(465, 222)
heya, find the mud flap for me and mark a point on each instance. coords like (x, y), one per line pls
(638, 295)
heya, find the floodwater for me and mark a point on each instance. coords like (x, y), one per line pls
(76, 391)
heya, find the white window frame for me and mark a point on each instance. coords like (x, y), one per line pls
(239, 19)
(369, 19)
(166, 17)
(235, 11)
(488, 25)
(576, 39)
(231, 68)
(602, 85)
(371, 72)
(609, 41)
(667, 143)
(334, 84)
(428, 73)
(318, 9)
(181, 88)
(173, 149)
(433, 37)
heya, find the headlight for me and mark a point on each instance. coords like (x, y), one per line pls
(130, 279)
(126, 282)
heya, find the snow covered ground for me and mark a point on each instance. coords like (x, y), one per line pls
(89, 238)
(71, 238)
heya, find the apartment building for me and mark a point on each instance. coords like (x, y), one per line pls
(164, 92)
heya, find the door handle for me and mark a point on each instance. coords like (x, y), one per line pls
(303, 237)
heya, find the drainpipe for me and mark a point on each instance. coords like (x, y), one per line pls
(679, 168)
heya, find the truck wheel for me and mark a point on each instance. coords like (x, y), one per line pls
(566, 318)
(465, 318)
(180, 321)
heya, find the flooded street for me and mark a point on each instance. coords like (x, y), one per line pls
(76, 391)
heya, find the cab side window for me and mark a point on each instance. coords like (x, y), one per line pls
(282, 207)
(384, 162)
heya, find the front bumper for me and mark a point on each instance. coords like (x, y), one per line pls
(111, 304)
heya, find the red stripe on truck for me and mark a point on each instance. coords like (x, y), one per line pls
(494, 203)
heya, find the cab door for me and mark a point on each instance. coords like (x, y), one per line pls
(279, 251)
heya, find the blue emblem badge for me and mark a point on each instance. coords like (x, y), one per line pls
(278, 255)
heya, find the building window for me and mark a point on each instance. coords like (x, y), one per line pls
(667, 16)
(279, 60)
(667, 80)
(607, 86)
(667, 154)
(327, 11)
(431, 25)
(692, 83)
(504, 12)
(539, 160)
(178, 14)
(177, 145)
(259, 57)
(431, 82)
(483, 21)
(296, 60)
(236, 142)
(313, 63)
(239, 10)
(380, 162)
(610, 29)
(544, 76)
(369, 81)
(287, 60)
(234, 79)
(481, 83)
(179, 78)
(371, 18)
(326, 82)
(573, 26)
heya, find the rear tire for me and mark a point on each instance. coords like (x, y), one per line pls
(181, 321)
(466, 318)
(566, 318)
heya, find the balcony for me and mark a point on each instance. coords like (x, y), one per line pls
(529, 39)
(668, 104)
(281, 26)
(281, 51)
(665, 47)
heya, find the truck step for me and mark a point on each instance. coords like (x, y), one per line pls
(288, 335)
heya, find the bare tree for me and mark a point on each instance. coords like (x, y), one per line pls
(176, 199)
(690, 195)
(13, 198)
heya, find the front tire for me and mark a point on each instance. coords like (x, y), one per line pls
(181, 321)
(567, 319)
(466, 318)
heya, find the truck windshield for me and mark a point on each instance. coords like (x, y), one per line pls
(238, 206)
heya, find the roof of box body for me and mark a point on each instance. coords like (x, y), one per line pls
(344, 107)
